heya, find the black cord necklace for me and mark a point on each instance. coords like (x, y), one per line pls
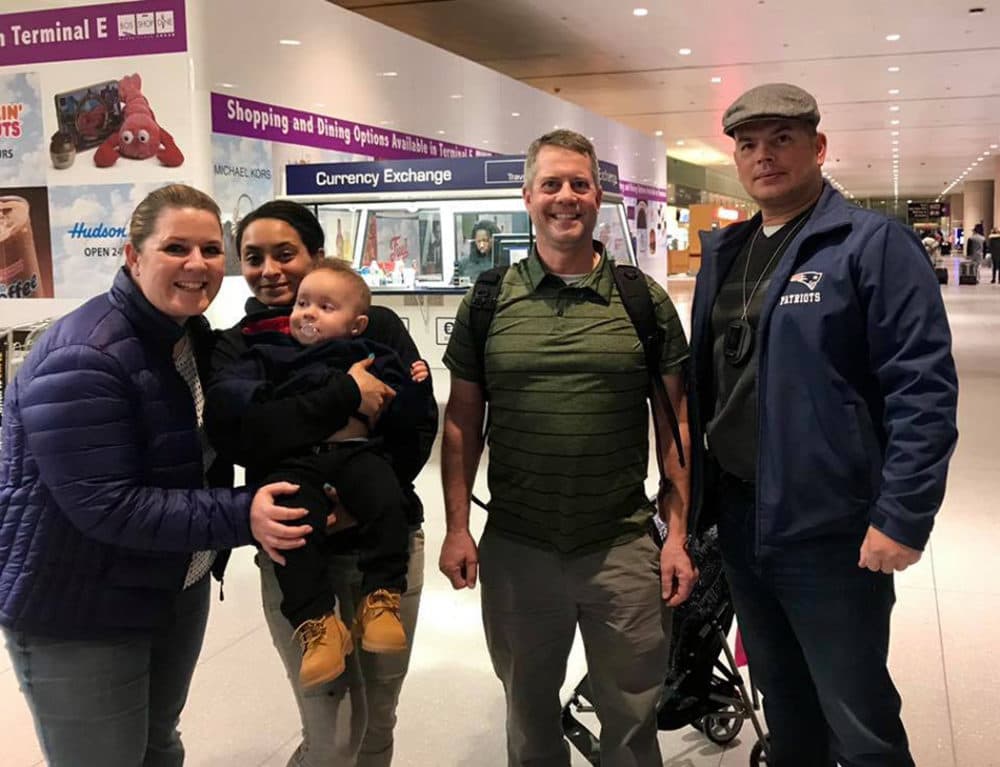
(738, 342)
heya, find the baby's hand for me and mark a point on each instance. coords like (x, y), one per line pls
(419, 371)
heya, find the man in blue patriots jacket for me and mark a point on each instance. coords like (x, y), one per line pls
(823, 393)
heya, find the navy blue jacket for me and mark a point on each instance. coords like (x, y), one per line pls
(275, 367)
(856, 384)
(101, 498)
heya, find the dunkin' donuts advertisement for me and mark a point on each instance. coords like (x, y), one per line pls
(94, 107)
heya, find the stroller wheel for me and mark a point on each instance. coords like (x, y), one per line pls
(722, 726)
(757, 755)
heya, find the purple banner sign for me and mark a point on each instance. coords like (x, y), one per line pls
(93, 32)
(268, 122)
(644, 191)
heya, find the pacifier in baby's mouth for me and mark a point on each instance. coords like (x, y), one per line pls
(308, 330)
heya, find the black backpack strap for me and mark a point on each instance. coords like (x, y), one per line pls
(634, 292)
(482, 307)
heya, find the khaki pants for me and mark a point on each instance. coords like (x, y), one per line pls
(348, 722)
(533, 601)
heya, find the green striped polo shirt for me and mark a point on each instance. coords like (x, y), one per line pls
(567, 382)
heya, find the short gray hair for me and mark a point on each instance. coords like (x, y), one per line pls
(562, 139)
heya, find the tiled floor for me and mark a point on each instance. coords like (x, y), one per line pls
(451, 714)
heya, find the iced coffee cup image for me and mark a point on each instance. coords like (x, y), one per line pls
(20, 276)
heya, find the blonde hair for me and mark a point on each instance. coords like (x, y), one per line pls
(339, 266)
(146, 213)
(563, 139)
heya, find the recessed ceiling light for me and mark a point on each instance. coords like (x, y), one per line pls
(515, 114)
(440, 132)
(226, 85)
(658, 133)
(486, 141)
(456, 96)
(895, 141)
(716, 80)
(975, 163)
(680, 142)
(980, 157)
(893, 122)
(894, 108)
(893, 69)
(640, 11)
(388, 74)
(986, 152)
(684, 52)
(895, 133)
(892, 38)
(289, 42)
(894, 91)
(386, 122)
(994, 146)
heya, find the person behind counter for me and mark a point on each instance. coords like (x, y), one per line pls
(480, 256)
(349, 721)
(103, 500)
(331, 311)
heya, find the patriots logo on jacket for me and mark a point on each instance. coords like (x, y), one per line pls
(809, 279)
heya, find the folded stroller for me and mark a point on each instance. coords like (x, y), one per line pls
(703, 687)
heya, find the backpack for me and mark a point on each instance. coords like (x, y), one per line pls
(631, 284)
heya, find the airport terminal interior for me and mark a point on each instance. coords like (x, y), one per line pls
(909, 94)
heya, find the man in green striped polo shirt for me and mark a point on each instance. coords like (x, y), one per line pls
(565, 542)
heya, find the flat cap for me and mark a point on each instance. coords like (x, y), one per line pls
(774, 101)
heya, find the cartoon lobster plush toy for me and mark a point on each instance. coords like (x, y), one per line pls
(140, 136)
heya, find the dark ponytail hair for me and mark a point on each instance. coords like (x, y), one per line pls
(297, 216)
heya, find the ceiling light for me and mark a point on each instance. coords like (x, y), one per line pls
(986, 152)
(684, 51)
(640, 11)
(456, 96)
(716, 80)
(388, 74)
(895, 141)
(515, 114)
(226, 85)
(440, 132)
(893, 122)
(289, 42)
(680, 142)
(994, 146)
(894, 108)
(894, 91)
(980, 157)
(892, 38)
(893, 69)
(894, 133)
(658, 133)
(486, 141)
(975, 164)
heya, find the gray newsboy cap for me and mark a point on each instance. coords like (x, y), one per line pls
(774, 101)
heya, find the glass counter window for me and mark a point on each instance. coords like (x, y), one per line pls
(340, 226)
(402, 246)
(610, 231)
(480, 242)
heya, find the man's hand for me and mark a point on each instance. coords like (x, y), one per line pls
(677, 572)
(880, 553)
(267, 518)
(419, 371)
(459, 559)
(375, 395)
